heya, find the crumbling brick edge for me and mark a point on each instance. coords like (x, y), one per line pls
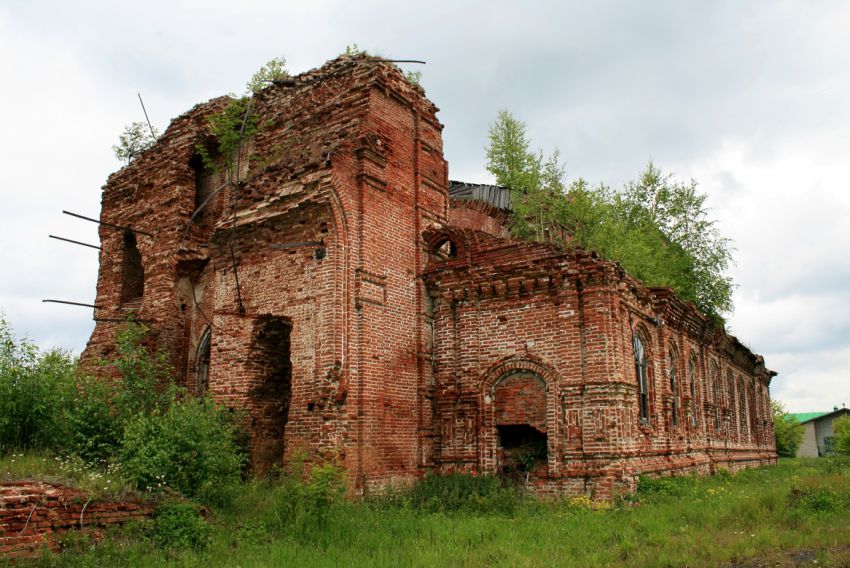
(34, 513)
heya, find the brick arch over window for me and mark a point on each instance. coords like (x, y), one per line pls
(445, 245)
(518, 391)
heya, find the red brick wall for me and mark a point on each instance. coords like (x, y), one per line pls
(392, 352)
(569, 318)
(32, 514)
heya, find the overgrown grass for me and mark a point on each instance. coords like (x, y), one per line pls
(97, 479)
(756, 515)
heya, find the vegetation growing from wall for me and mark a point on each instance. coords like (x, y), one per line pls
(657, 227)
(136, 138)
(273, 70)
(788, 430)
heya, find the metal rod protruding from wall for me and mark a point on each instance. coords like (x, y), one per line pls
(72, 303)
(144, 110)
(73, 241)
(114, 226)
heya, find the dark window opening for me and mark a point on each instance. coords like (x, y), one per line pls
(202, 365)
(715, 390)
(445, 250)
(642, 379)
(674, 391)
(132, 273)
(519, 408)
(204, 180)
(692, 380)
(523, 445)
(273, 393)
(742, 410)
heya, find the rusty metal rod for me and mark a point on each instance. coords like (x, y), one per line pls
(144, 110)
(114, 226)
(380, 60)
(72, 241)
(72, 303)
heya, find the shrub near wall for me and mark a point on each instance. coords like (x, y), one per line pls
(35, 392)
(189, 447)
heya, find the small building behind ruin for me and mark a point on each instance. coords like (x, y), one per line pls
(360, 307)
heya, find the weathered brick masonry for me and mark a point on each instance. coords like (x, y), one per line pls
(380, 323)
(33, 514)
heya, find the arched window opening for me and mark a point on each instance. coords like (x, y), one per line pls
(519, 402)
(742, 410)
(445, 249)
(692, 382)
(132, 272)
(202, 365)
(642, 379)
(204, 179)
(714, 380)
(730, 403)
(674, 390)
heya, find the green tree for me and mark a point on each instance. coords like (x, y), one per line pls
(678, 210)
(136, 138)
(788, 431)
(536, 185)
(841, 431)
(658, 228)
(35, 390)
(273, 70)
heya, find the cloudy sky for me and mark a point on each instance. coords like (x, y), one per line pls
(752, 99)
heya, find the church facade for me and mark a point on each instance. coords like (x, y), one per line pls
(360, 307)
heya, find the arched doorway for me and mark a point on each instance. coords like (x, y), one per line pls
(519, 418)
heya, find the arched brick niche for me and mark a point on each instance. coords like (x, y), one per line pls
(446, 245)
(519, 428)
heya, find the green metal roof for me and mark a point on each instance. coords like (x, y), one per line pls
(804, 416)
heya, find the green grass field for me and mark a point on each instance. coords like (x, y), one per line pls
(793, 514)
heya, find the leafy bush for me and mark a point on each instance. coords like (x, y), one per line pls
(841, 428)
(95, 425)
(35, 393)
(146, 379)
(189, 447)
(178, 525)
(459, 492)
(787, 429)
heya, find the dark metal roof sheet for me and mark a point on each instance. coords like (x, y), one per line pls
(495, 195)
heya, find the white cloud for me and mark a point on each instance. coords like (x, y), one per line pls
(751, 100)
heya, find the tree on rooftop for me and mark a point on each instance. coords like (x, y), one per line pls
(136, 138)
(273, 70)
(658, 228)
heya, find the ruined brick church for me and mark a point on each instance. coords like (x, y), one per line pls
(361, 307)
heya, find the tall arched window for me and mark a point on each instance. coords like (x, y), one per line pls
(714, 379)
(742, 410)
(642, 379)
(132, 272)
(674, 389)
(202, 364)
(692, 383)
(730, 403)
